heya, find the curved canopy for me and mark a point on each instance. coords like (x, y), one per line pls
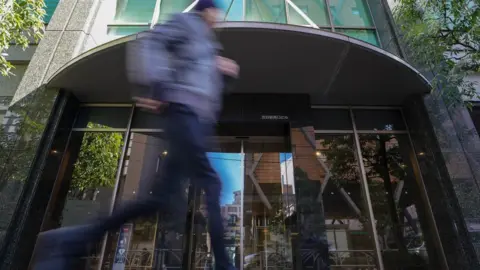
(274, 58)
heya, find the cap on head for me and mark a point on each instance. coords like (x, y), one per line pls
(204, 4)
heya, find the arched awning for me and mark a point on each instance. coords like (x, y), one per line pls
(274, 58)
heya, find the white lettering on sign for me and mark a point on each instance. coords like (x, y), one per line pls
(274, 117)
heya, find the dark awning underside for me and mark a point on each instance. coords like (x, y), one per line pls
(274, 58)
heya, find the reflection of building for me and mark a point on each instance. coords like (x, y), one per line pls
(317, 70)
(232, 214)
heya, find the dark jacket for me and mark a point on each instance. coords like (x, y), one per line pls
(195, 80)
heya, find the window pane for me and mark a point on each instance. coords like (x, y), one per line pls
(147, 120)
(92, 117)
(379, 120)
(330, 202)
(50, 6)
(369, 36)
(134, 11)
(121, 31)
(169, 7)
(268, 180)
(396, 200)
(316, 10)
(234, 10)
(265, 11)
(328, 119)
(162, 233)
(350, 13)
(88, 184)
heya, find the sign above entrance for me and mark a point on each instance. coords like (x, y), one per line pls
(274, 117)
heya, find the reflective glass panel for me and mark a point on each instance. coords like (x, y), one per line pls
(379, 120)
(346, 219)
(234, 11)
(265, 11)
(269, 205)
(20, 136)
(134, 11)
(95, 117)
(328, 119)
(316, 10)
(369, 36)
(124, 30)
(154, 242)
(350, 13)
(85, 187)
(396, 200)
(227, 160)
(332, 220)
(147, 120)
(169, 7)
(50, 6)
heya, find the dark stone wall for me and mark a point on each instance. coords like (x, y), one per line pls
(447, 146)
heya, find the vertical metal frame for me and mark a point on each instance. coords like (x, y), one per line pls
(117, 182)
(374, 24)
(424, 196)
(156, 13)
(366, 192)
(242, 199)
(287, 12)
(327, 4)
(244, 6)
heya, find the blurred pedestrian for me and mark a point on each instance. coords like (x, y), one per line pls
(188, 91)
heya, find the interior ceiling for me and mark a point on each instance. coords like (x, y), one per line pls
(331, 68)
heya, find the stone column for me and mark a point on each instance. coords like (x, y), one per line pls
(448, 151)
(67, 35)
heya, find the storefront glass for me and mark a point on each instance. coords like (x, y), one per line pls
(340, 193)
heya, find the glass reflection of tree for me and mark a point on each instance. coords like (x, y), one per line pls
(97, 162)
(19, 139)
(384, 168)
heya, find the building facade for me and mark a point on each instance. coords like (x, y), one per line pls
(332, 151)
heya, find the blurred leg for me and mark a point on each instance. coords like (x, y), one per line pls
(206, 177)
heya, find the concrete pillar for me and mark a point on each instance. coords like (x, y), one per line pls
(67, 35)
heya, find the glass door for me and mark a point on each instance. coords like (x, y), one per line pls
(258, 199)
(227, 159)
(269, 203)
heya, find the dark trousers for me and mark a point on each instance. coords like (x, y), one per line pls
(186, 158)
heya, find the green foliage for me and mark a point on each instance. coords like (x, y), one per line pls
(444, 38)
(20, 22)
(97, 161)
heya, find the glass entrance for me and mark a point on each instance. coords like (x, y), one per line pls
(258, 196)
(343, 193)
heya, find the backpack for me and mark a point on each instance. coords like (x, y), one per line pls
(148, 62)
